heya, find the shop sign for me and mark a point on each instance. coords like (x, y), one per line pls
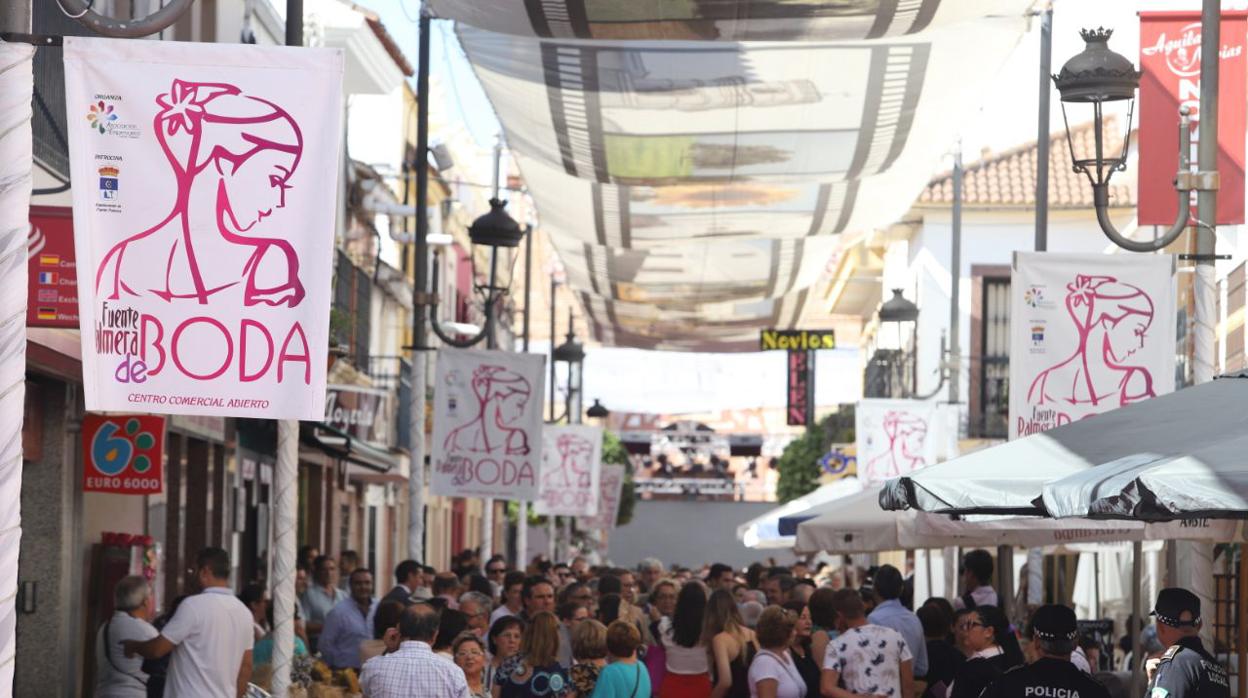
(357, 412)
(794, 340)
(801, 387)
(124, 453)
(487, 424)
(205, 225)
(1170, 56)
(53, 274)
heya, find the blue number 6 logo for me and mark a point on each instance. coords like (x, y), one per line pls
(109, 453)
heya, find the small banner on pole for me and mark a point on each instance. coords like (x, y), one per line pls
(487, 424)
(610, 487)
(1088, 334)
(1170, 55)
(123, 453)
(896, 437)
(571, 461)
(204, 223)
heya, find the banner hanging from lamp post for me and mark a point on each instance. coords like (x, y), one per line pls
(1088, 334)
(1170, 56)
(610, 487)
(487, 424)
(896, 437)
(571, 461)
(206, 249)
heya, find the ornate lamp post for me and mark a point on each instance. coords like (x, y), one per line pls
(905, 315)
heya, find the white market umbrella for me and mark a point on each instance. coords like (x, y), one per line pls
(763, 532)
(1203, 421)
(1208, 482)
(856, 524)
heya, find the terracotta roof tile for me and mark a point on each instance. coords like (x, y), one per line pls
(1008, 178)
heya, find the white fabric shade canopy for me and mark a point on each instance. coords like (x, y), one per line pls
(762, 532)
(1193, 435)
(856, 524)
(694, 184)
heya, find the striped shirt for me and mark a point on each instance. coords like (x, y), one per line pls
(413, 670)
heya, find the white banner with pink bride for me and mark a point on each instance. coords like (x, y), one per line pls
(487, 424)
(571, 462)
(897, 437)
(1089, 333)
(203, 224)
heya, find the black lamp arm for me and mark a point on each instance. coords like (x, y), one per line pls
(446, 338)
(1183, 183)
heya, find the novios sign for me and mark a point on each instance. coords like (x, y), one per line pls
(1170, 56)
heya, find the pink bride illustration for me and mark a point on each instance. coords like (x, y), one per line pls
(906, 434)
(1112, 320)
(573, 468)
(502, 397)
(231, 158)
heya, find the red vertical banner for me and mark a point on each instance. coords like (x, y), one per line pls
(1170, 55)
(801, 383)
(123, 453)
(53, 273)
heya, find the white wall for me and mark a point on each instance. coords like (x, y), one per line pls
(987, 238)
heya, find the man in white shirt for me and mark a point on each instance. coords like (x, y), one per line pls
(210, 636)
(513, 597)
(413, 669)
(118, 676)
(865, 659)
(976, 581)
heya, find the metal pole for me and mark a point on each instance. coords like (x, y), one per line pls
(1196, 559)
(420, 273)
(491, 343)
(285, 490)
(1042, 130)
(955, 288)
(522, 516)
(1137, 642)
(554, 285)
(16, 165)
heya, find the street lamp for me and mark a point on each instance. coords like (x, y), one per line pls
(494, 229)
(597, 410)
(573, 354)
(1098, 75)
(901, 312)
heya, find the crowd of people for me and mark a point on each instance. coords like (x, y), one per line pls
(574, 630)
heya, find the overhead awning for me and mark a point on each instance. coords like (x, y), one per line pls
(341, 445)
(694, 162)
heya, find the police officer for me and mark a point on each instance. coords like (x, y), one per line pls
(1054, 637)
(1186, 670)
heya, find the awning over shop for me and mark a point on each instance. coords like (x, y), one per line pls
(341, 445)
(695, 161)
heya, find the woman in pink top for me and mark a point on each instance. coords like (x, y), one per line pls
(688, 663)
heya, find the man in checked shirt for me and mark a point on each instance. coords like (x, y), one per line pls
(413, 669)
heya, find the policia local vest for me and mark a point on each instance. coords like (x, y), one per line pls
(1045, 678)
(1188, 671)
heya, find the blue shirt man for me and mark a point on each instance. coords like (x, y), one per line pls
(891, 614)
(346, 626)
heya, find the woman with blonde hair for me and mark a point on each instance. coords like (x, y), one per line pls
(732, 646)
(535, 672)
(589, 656)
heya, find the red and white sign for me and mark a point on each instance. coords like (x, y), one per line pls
(1170, 55)
(610, 487)
(123, 453)
(53, 282)
(204, 188)
(487, 424)
(571, 460)
(896, 437)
